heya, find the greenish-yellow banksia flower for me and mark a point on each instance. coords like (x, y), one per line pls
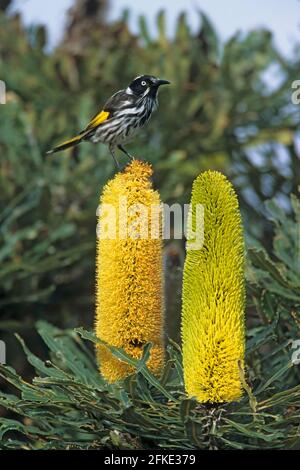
(214, 293)
(129, 280)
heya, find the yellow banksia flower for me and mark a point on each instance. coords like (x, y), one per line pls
(213, 337)
(129, 279)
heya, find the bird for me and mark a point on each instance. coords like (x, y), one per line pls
(123, 114)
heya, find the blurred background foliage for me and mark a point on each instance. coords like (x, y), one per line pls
(228, 108)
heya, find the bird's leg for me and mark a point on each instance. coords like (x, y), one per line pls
(111, 149)
(125, 151)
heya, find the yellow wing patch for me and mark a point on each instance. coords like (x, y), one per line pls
(98, 119)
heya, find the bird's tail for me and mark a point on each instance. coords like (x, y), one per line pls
(67, 144)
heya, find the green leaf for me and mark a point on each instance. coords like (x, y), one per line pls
(119, 353)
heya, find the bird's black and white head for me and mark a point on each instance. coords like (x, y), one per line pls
(145, 85)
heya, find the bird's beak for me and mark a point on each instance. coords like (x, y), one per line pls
(161, 82)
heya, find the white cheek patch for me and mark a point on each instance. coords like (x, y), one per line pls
(129, 91)
(146, 92)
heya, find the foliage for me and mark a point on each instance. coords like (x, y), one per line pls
(274, 279)
(220, 113)
(217, 111)
(68, 405)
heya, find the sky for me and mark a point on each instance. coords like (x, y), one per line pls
(228, 16)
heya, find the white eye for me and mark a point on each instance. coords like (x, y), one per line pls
(144, 83)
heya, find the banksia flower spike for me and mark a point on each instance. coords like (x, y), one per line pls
(213, 293)
(129, 280)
